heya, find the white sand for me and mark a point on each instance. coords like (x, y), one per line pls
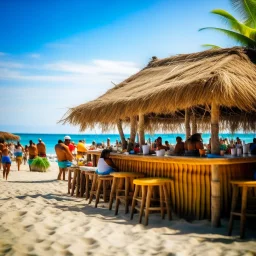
(37, 217)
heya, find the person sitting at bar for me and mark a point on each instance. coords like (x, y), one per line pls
(93, 146)
(105, 163)
(193, 144)
(81, 148)
(167, 145)
(179, 147)
(159, 144)
(137, 148)
(253, 147)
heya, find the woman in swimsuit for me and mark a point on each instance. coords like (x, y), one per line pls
(193, 144)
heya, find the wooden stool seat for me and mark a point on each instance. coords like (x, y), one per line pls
(152, 181)
(127, 178)
(100, 183)
(244, 184)
(87, 173)
(146, 185)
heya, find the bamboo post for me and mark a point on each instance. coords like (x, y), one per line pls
(121, 132)
(194, 124)
(141, 129)
(215, 183)
(187, 122)
(133, 130)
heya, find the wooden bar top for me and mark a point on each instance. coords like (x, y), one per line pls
(222, 160)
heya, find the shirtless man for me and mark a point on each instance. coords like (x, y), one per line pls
(6, 161)
(32, 152)
(179, 147)
(64, 157)
(159, 144)
(41, 148)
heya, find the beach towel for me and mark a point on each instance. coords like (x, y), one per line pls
(6, 160)
(64, 164)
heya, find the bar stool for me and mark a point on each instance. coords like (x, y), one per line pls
(147, 185)
(99, 185)
(236, 184)
(86, 176)
(76, 181)
(70, 171)
(126, 178)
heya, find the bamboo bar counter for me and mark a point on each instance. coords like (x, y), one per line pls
(191, 193)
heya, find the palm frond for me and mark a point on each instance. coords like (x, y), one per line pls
(234, 24)
(243, 40)
(247, 9)
(212, 46)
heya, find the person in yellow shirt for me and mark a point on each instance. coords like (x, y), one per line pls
(81, 149)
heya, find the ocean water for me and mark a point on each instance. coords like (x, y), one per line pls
(52, 139)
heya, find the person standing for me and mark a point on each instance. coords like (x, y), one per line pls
(179, 147)
(41, 148)
(6, 161)
(1, 149)
(32, 153)
(18, 154)
(67, 142)
(64, 157)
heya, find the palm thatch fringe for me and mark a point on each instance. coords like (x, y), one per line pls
(8, 136)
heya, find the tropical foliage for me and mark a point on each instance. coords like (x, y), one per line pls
(244, 33)
(40, 164)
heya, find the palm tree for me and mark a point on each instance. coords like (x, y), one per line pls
(243, 32)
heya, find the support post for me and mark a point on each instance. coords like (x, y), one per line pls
(194, 124)
(133, 130)
(187, 122)
(121, 132)
(215, 183)
(141, 129)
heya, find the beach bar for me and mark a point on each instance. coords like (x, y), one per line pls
(214, 89)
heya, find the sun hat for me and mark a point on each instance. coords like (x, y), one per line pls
(39, 140)
(67, 138)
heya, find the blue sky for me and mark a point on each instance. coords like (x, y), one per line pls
(56, 54)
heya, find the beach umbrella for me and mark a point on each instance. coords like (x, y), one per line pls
(8, 136)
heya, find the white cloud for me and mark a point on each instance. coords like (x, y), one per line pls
(35, 55)
(98, 71)
(97, 67)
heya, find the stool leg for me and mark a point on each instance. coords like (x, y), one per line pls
(74, 183)
(104, 191)
(78, 183)
(161, 200)
(127, 194)
(98, 193)
(93, 188)
(143, 200)
(167, 202)
(148, 204)
(86, 186)
(69, 180)
(134, 199)
(113, 188)
(243, 211)
(81, 184)
(233, 207)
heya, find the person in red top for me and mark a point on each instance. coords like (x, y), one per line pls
(67, 142)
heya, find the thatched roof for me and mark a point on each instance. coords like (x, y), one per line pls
(226, 76)
(8, 136)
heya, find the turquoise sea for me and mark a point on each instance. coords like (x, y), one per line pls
(51, 139)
